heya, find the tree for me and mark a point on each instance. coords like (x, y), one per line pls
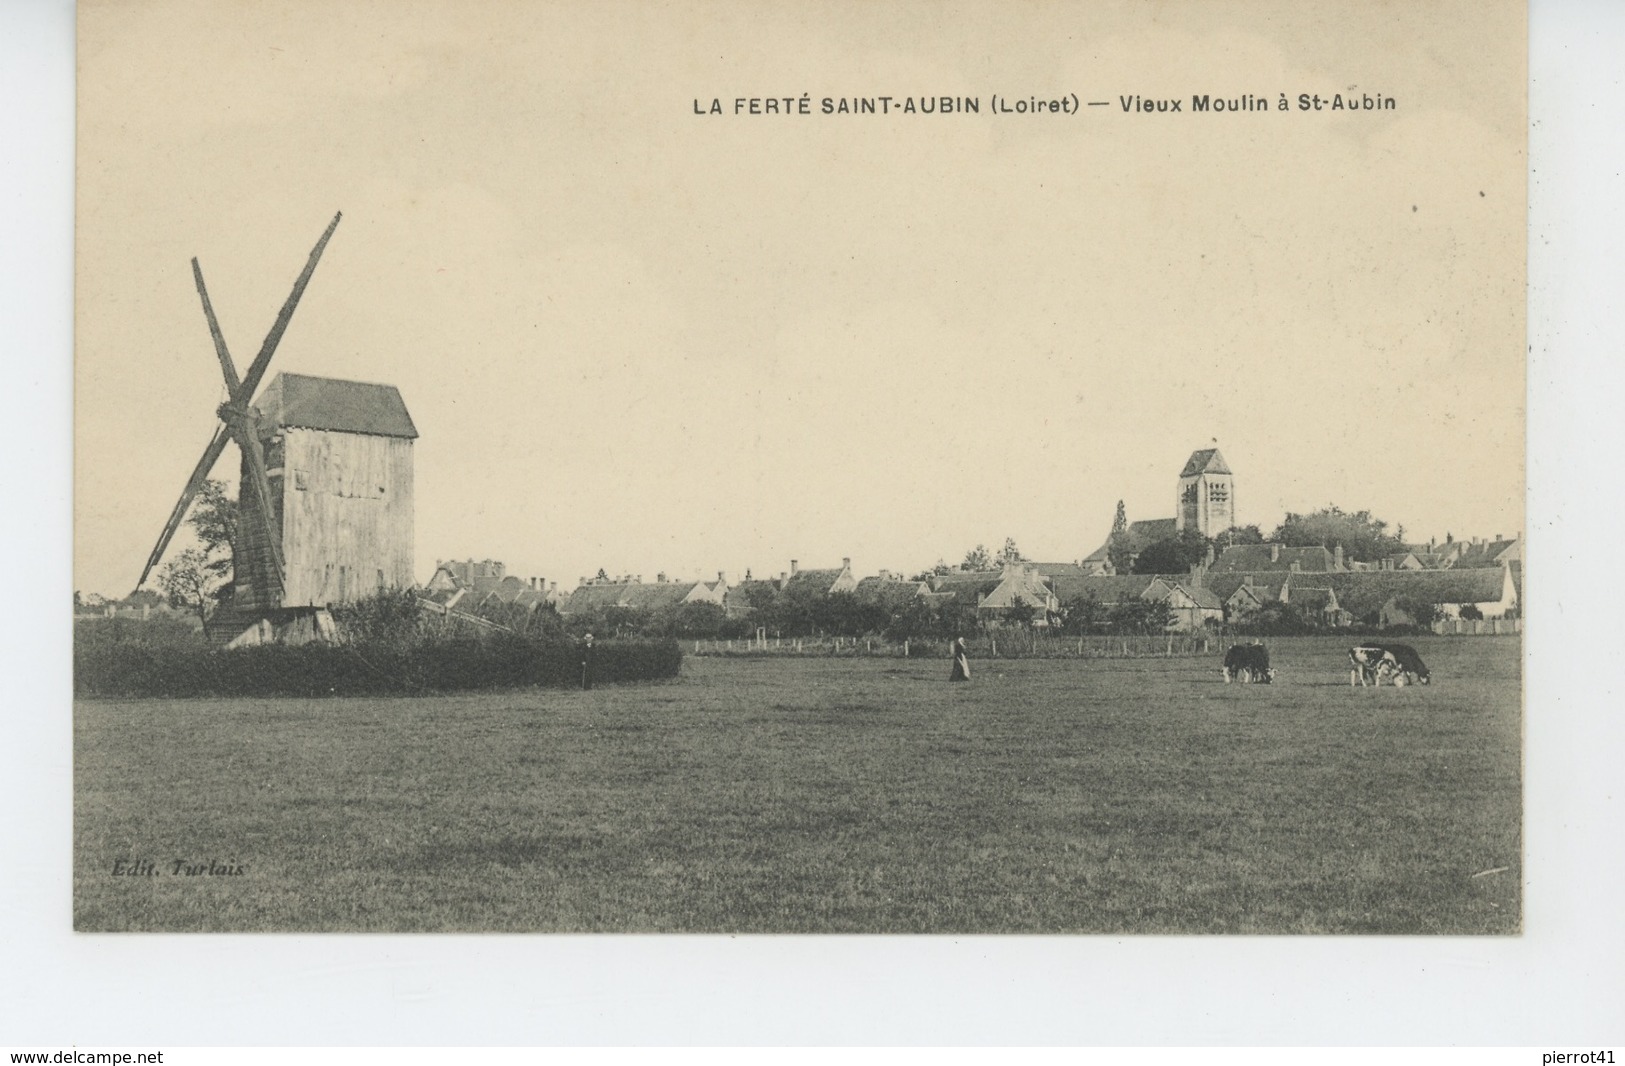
(957, 618)
(1471, 613)
(1239, 535)
(214, 519)
(1140, 616)
(917, 619)
(939, 569)
(1083, 614)
(189, 583)
(1422, 612)
(1363, 538)
(1119, 546)
(699, 619)
(1173, 555)
(1022, 614)
(977, 559)
(843, 614)
(1010, 553)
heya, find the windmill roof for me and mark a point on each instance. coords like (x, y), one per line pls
(306, 402)
(1205, 461)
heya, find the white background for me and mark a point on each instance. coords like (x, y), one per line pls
(1559, 984)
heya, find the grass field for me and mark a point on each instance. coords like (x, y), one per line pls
(809, 795)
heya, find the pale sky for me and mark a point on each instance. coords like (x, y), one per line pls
(637, 338)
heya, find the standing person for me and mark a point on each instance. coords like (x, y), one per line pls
(586, 662)
(961, 670)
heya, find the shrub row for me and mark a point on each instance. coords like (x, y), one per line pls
(139, 669)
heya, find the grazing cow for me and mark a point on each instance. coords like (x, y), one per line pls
(1371, 663)
(1411, 666)
(1248, 662)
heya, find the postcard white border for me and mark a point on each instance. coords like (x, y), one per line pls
(1559, 982)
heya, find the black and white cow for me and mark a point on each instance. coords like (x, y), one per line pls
(1411, 666)
(1396, 662)
(1371, 663)
(1248, 662)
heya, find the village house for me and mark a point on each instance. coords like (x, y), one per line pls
(1245, 594)
(1193, 605)
(1019, 585)
(637, 594)
(824, 582)
(890, 591)
(465, 586)
(1317, 605)
(1267, 558)
(1380, 597)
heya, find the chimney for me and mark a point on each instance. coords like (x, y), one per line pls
(1294, 567)
(1275, 553)
(1498, 538)
(722, 576)
(846, 560)
(1337, 557)
(794, 566)
(553, 587)
(660, 578)
(1198, 574)
(1210, 553)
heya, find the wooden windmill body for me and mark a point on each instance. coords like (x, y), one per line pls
(325, 503)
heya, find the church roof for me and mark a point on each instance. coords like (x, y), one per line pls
(1141, 535)
(1206, 461)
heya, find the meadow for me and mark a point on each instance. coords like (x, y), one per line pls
(826, 795)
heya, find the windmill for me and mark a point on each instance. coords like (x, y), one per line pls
(347, 512)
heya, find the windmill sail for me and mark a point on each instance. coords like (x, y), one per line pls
(257, 561)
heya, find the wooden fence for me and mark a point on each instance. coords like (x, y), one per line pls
(1481, 627)
(1002, 646)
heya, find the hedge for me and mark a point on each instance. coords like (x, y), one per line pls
(134, 668)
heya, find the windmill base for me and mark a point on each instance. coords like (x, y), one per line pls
(233, 628)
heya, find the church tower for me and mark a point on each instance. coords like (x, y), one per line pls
(1207, 494)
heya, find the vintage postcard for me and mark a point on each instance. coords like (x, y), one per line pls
(800, 468)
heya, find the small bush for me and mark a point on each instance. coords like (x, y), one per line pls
(136, 668)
